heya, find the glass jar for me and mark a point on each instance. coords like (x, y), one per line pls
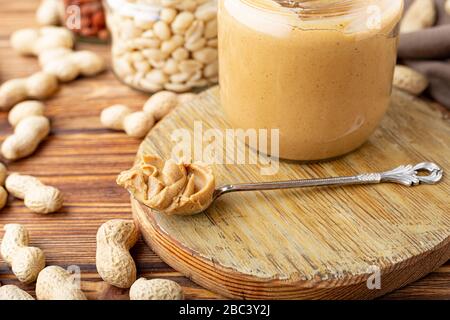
(164, 45)
(319, 71)
(91, 25)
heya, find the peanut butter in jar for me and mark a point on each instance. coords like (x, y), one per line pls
(319, 71)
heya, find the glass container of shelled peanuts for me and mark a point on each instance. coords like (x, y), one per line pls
(164, 44)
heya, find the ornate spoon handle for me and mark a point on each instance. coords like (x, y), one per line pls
(406, 175)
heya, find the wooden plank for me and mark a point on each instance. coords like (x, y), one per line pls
(83, 159)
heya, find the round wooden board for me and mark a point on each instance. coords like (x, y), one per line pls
(318, 243)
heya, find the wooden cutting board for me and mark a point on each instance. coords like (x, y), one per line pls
(318, 242)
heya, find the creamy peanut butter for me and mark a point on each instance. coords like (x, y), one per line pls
(168, 187)
(321, 72)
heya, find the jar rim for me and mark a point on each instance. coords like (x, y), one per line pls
(127, 8)
(317, 8)
(336, 15)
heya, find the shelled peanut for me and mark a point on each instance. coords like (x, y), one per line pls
(56, 283)
(156, 289)
(175, 50)
(121, 117)
(28, 134)
(420, 15)
(113, 260)
(10, 292)
(40, 85)
(138, 124)
(38, 197)
(26, 262)
(67, 65)
(35, 41)
(24, 110)
(31, 127)
(410, 80)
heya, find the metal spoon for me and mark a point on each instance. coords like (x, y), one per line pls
(406, 175)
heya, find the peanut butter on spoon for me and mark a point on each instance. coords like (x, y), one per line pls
(187, 189)
(168, 187)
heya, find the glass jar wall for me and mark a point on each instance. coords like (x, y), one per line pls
(164, 44)
(319, 71)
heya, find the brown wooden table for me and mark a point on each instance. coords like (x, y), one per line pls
(83, 159)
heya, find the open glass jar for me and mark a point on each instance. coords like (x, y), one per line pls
(164, 44)
(319, 71)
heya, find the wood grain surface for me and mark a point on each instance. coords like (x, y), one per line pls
(83, 159)
(316, 242)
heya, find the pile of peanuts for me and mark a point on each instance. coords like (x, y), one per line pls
(113, 260)
(172, 48)
(54, 48)
(31, 127)
(60, 63)
(138, 124)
